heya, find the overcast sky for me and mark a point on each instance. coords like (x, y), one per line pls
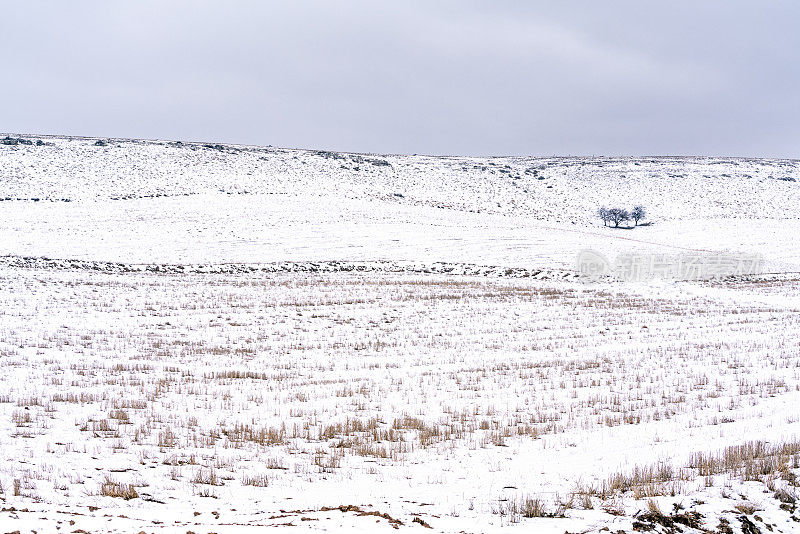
(437, 77)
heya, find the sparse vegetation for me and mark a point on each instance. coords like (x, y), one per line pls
(138, 404)
(111, 488)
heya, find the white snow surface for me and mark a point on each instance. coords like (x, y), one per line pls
(257, 337)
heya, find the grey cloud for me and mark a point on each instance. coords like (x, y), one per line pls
(448, 77)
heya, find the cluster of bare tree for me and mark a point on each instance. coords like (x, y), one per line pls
(616, 216)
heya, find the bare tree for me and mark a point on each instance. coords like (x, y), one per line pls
(603, 214)
(618, 215)
(637, 214)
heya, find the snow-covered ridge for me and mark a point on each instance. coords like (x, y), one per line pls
(463, 269)
(566, 189)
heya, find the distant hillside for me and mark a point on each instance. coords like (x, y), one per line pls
(553, 189)
(141, 201)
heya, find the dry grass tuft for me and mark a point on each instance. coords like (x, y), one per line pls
(111, 488)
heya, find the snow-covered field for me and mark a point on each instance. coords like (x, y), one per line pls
(259, 336)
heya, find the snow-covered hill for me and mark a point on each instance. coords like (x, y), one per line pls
(142, 201)
(209, 338)
(553, 189)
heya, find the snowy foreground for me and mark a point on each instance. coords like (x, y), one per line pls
(218, 339)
